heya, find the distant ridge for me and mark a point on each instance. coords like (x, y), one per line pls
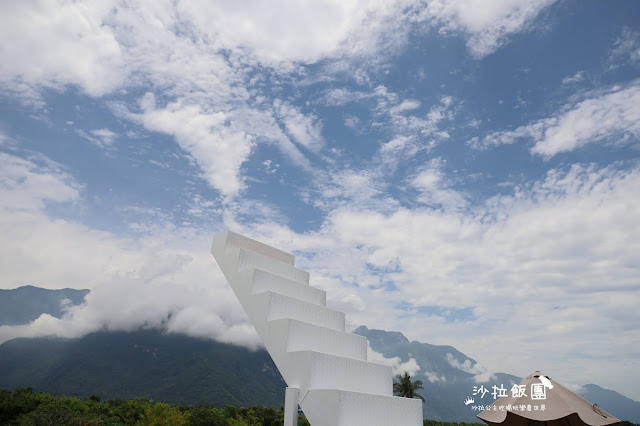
(446, 386)
(25, 304)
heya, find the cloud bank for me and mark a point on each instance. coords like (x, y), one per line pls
(610, 117)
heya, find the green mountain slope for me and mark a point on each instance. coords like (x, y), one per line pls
(167, 368)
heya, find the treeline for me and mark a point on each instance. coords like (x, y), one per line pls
(26, 408)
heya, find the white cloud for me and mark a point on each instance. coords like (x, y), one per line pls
(406, 105)
(342, 96)
(102, 138)
(27, 185)
(480, 373)
(576, 78)
(475, 123)
(399, 367)
(367, 187)
(353, 122)
(208, 312)
(100, 46)
(263, 126)
(56, 43)
(294, 32)
(611, 117)
(487, 24)
(397, 144)
(533, 131)
(305, 130)
(309, 31)
(354, 186)
(433, 377)
(626, 49)
(413, 133)
(219, 148)
(434, 188)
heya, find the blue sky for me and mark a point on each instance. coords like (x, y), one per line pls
(465, 172)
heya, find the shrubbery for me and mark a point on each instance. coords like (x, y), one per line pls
(24, 407)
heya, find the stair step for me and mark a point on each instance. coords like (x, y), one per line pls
(302, 336)
(325, 371)
(279, 306)
(240, 241)
(265, 281)
(332, 407)
(248, 260)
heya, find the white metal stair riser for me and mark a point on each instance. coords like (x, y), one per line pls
(276, 306)
(309, 369)
(249, 260)
(324, 371)
(302, 336)
(343, 408)
(236, 240)
(265, 281)
(306, 340)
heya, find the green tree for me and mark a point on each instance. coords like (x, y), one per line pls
(248, 418)
(163, 415)
(406, 388)
(129, 411)
(61, 411)
(16, 403)
(209, 416)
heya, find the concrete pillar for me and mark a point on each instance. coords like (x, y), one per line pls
(291, 406)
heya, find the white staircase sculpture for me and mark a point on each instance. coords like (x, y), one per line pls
(336, 385)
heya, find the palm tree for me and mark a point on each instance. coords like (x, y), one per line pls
(406, 388)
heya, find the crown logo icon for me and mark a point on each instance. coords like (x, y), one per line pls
(468, 401)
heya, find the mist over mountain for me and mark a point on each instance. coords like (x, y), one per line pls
(445, 385)
(25, 304)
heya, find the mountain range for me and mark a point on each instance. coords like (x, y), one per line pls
(180, 369)
(448, 379)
